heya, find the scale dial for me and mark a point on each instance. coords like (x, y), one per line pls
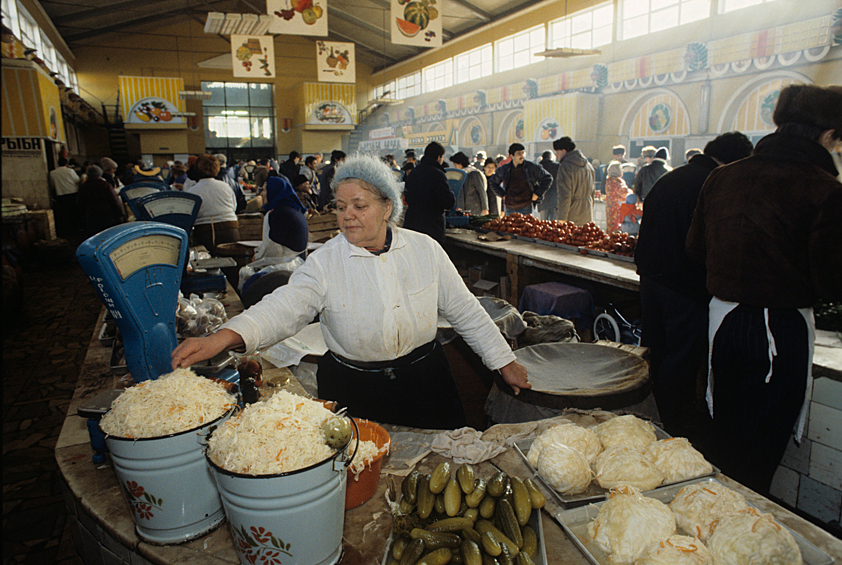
(171, 205)
(145, 251)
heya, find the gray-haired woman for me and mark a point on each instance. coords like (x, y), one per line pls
(378, 290)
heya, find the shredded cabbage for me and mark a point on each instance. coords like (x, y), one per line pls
(278, 435)
(175, 402)
(366, 454)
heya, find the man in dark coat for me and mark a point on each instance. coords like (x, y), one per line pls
(289, 168)
(672, 286)
(768, 230)
(326, 196)
(649, 174)
(427, 194)
(520, 183)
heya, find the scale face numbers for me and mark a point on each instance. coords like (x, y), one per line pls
(171, 205)
(144, 251)
(133, 193)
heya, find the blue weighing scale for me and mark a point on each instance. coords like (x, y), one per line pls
(138, 189)
(136, 268)
(180, 209)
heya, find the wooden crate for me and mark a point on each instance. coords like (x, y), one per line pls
(251, 226)
(322, 226)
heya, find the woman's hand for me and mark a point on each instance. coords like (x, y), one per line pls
(515, 376)
(195, 349)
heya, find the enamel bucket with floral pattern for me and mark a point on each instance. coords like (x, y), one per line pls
(170, 490)
(293, 518)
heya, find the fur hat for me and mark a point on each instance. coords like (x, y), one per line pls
(460, 159)
(811, 105)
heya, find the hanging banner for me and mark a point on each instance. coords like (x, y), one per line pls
(253, 56)
(298, 17)
(336, 62)
(151, 101)
(417, 22)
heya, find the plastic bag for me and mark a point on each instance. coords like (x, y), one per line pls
(196, 316)
(267, 265)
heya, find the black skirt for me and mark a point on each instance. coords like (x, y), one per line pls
(416, 390)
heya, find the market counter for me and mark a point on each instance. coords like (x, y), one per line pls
(103, 529)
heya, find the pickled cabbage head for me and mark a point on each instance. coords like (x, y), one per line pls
(749, 537)
(571, 435)
(565, 469)
(676, 550)
(627, 430)
(677, 459)
(628, 523)
(620, 465)
(698, 507)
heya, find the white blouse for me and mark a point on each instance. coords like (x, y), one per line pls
(375, 307)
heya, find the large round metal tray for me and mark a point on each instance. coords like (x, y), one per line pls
(581, 375)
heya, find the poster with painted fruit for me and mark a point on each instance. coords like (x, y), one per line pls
(416, 22)
(298, 17)
(336, 62)
(253, 56)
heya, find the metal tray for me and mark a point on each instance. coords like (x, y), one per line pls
(523, 237)
(107, 333)
(595, 252)
(534, 521)
(545, 242)
(566, 246)
(575, 521)
(594, 492)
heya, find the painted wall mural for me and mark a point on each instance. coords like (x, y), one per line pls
(151, 101)
(756, 109)
(663, 114)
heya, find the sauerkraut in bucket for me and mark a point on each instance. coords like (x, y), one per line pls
(279, 435)
(173, 403)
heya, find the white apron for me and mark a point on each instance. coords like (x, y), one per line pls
(718, 309)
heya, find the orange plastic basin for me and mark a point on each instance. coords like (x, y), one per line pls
(362, 487)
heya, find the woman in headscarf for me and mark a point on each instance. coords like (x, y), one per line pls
(285, 236)
(378, 290)
(616, 191)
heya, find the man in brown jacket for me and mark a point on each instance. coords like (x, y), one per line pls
(768, 230)
(574, 183)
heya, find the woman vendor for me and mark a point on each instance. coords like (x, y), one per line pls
(378, 290)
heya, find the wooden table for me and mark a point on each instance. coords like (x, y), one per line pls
(523, 256)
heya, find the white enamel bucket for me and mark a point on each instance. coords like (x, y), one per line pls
(294, 518)
(171, 491)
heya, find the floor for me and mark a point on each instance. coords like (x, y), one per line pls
(46, 332)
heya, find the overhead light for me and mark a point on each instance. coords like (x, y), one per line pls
(567, 52)
(263, 24)
(232, 22)
(214, 22)
(195, 94)
(247, 24)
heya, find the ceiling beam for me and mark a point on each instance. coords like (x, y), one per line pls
(376, 50)
(67, 19)
(351, 19)
(125, 25)
(481, 14)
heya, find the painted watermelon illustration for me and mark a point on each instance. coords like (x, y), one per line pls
(408, 29)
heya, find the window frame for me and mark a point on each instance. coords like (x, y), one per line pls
(9, 9)
(484, 61)
(407, 90)
(246, 118)
(437, 76)
(724, 9)
(519, 57)
(25, 17)
(683, 7)
(569, 38)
